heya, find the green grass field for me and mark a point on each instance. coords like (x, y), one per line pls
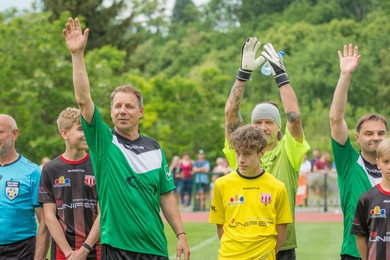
(315, 240)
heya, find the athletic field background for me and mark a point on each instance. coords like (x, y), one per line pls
(319, 237)
(316, 240)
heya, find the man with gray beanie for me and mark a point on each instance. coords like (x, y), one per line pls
(283, 153)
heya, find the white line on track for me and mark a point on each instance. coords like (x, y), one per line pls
(198, 246)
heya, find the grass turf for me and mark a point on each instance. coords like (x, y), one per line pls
(315, 240)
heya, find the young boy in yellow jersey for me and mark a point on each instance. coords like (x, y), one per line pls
(249, 206)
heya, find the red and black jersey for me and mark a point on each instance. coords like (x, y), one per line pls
(372, 221)
(71, 186)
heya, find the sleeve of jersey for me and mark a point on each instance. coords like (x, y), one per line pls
(97, 134)
(166, 177)
(45, 188)
(359, 226)
(283, 211)
(35, 178)
(230, 155)
(344, 156)
(295, 150)
(217, 210)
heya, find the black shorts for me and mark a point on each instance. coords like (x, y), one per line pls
(112, 253)
(21, 250)
(286, 255)
(349, 257)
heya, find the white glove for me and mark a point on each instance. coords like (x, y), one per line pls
(249, 62)
(276, 62)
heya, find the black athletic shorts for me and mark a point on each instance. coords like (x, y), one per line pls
(286, 255)
(21, 250)
(112, 253)
(349, 257)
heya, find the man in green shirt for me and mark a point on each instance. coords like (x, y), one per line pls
(132, 174)
(283, 153)
(357, 171)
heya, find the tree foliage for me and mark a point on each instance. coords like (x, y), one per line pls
(185, 69)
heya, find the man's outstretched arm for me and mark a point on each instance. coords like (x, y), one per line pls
(76, 41)
(249, 62)
(287, 94)
(349, 61)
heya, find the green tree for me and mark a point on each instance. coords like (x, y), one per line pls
(121, 23)
(184, 12)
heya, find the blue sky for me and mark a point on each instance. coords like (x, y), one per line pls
(20, 4)
(25, 4)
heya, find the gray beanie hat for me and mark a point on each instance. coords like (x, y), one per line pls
(266, 111)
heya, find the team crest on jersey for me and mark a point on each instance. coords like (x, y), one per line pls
(90, 180)
(12, 189)
(377, 212)
(265, 198)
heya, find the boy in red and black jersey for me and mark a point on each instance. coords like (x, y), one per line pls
(371, 222)
(69, 196)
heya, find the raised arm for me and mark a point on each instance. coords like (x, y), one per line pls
(287, 94)
(291, 108)
(349, 61)
(249, 62)
(76, 41)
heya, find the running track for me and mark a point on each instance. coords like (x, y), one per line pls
(299, 216)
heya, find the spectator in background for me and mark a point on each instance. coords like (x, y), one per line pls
(186, 175)
(301, 198)
(44, 161)
(221, 168)
(305, 167)
(200, 171)
(175, 170)
(316, 157)
(322, 165)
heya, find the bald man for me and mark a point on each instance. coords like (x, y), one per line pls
(19, 182)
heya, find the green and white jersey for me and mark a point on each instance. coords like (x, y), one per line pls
(353, 180)
(130, 177)
(283, 162)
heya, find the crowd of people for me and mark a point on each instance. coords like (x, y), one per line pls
(194, 179)
(104, 196)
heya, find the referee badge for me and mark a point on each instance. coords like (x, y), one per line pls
(12, 189)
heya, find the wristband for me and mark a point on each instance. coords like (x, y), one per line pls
(181, 233)
(281, 79)
(87, 246)
(244, 75)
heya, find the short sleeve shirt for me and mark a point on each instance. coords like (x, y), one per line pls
(249, 210)
(19, 184)
(283, 162)
(352, 180)
(130, 177)
(372, 221)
